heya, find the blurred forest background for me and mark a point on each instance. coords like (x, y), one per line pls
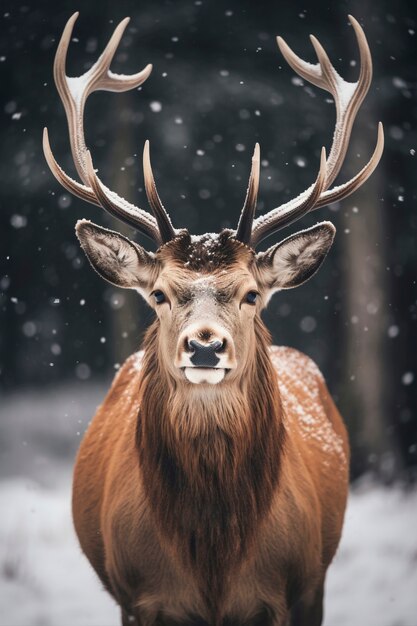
(219, 84)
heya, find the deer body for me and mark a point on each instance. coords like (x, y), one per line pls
(211, 485)
(137, 558)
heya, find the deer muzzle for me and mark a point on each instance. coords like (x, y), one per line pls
(205, 353)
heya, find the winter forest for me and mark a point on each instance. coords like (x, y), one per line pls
(219, 85)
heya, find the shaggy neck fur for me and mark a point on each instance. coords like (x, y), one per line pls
(210, 463)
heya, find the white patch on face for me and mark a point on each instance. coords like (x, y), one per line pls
(209, 375)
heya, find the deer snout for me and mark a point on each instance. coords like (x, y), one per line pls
(208, 347)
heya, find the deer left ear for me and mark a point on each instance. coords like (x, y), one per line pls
(116, 258)
(296, 259)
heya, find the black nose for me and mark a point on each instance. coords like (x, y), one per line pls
(205, 355)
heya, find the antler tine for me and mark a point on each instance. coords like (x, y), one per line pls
(164, 223)
(74, 92)
(309, 72)
(107, 199)
(291, 211)
(244, 227)
(342, 191)
(108, 80)
(121, 209)
(348, 97)
(71, 185)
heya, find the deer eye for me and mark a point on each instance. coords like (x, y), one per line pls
(251, 297)
(159, 296)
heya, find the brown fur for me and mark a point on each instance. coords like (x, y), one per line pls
(206, 254)
(210, 491)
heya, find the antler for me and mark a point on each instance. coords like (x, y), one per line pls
(244, 227)
(348, 98)
(74, 93)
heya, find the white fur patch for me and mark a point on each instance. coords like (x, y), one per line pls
(209, 375)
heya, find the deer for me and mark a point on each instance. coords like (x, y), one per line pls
(211, 485)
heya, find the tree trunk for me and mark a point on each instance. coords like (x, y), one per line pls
(366, 303)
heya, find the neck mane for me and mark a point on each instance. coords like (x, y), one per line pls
(210, 462)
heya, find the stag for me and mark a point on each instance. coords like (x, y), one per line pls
(211, 485)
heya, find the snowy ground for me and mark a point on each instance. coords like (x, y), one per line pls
(45, 580)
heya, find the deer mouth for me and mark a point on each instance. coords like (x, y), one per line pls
(210, 375)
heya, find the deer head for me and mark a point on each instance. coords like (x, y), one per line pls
(208, 290)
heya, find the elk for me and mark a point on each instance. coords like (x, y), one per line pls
(211, 485)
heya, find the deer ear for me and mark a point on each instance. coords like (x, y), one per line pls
(296, 259)
(117, 259)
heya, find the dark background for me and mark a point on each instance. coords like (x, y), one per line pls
(219, 84)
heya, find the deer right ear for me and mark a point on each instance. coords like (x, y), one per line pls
(117, 259)
(296, 259)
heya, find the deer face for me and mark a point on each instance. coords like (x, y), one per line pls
(205, 303)
(206, 291)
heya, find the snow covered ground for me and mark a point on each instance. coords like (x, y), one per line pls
(373, 579)
(46, 581)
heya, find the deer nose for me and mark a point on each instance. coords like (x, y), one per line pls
(204, 345)
(205, 354)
